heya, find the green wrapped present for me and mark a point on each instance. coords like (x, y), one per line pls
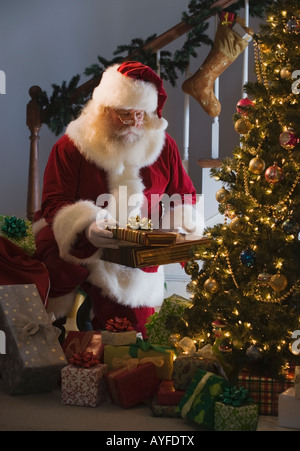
(198, 403)
(236, 411)
(19, 232)
(157, 330)
(230, 418)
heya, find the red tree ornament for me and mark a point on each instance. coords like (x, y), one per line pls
(274, 174)
(288, 139)
(244, 105)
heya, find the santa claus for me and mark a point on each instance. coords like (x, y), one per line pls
(115, 159)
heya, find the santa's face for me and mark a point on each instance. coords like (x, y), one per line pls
(125, 126)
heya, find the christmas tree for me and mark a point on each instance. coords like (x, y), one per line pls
(246, 296)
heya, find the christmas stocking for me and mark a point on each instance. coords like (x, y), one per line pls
(231, 39)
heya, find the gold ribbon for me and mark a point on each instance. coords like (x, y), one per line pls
(128, 363)
(188, 405)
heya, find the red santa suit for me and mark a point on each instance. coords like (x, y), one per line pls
(78, 172)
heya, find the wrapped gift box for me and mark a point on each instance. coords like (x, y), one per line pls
(118, 338)
(198, 403)
(78, 341)
(19, 232)
(128, 388)
(34, 357)
(83, 386)
(145, 237)
(230, 418)
(157, 330)
(264, 391)
(163, 372)
(167, 395)
(289, 409)
(159, 410)
(185, 367)
(140, 256)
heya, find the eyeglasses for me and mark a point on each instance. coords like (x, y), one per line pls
(139, 117)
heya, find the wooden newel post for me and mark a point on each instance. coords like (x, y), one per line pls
(34, 123)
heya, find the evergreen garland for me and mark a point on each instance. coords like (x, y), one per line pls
(60, 108)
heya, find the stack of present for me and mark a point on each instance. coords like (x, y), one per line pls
(289, 404)
(33, 358)
(213, 403)
(135, 367)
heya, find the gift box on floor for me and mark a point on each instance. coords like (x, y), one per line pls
(140, 350)
(264, 391)
(167, 395)
(235, 411)
(230, 418)
(156, 326)
(34, 357)
(158, 410)
(78, 341)
(83, 386)
(186, 366)
(198, 403)
(130, 387)
(289, 409)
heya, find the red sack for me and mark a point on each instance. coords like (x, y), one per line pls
(17, 268)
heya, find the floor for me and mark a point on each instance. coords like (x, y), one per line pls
(45, 412)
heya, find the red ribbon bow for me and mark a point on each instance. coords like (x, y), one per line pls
(84, 359)
(118, 325)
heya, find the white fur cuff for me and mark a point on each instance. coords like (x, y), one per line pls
(71, 221)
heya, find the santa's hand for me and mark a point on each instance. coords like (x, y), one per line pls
(99, 236)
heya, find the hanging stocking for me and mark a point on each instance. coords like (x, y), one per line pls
(230, 41)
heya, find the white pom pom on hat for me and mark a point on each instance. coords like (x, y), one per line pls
(131, 85)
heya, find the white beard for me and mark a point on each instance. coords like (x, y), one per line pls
(120, 152)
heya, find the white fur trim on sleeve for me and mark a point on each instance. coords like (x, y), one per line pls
(69, 222)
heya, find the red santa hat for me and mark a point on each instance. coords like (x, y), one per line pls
(131, 85)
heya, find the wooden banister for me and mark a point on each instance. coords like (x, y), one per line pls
(34, 123)
(156, 44)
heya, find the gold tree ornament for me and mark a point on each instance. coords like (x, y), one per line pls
(222, 195)
(211, 285)
(257, 165)
(243, 126)
(278, 282)
(238, 224)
